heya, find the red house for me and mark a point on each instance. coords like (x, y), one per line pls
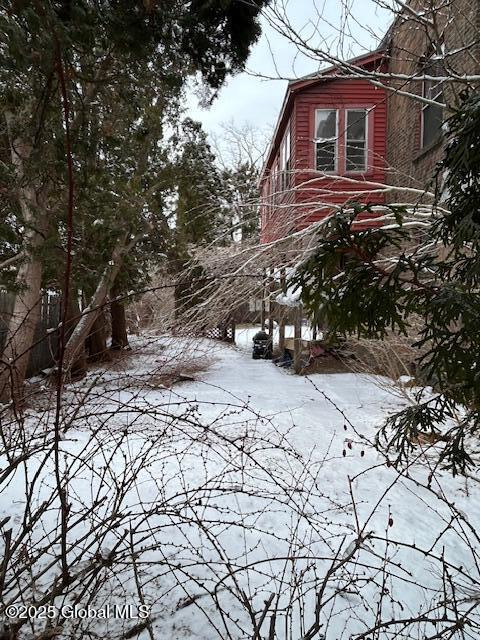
(328, 148)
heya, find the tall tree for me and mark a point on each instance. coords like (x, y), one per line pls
(196, 209)
(197, 185)
(240, 201)
(240, 150)
(62, 63)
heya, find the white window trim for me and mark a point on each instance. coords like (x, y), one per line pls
(285, 157)
(275, 177)
(335, 139)
(366, 110)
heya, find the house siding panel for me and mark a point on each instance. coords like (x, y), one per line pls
(312, 187)
(314, 195)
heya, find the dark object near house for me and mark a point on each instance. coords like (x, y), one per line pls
(285, 360)
(262, 346)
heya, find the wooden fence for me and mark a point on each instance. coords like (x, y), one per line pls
(45, 346)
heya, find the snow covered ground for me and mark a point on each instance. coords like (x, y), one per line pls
(250, 502)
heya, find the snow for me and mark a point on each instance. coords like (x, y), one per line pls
(282, 479)
(291, 298)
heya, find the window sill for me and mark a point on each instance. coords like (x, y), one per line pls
(426, 150)
(348, 174)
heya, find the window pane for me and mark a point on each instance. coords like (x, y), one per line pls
(432, 124)
(325, 123)
(356, 125)
(433, 88)
(355, 158)
(433, 68)
(285, 150)
(326, 156)
(432, 115)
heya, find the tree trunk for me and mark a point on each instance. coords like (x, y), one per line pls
(297, 343)
(79, 367)
(21, 332)
(281, 319)
(119, 325)
(83, 328)
(26, 310)
(97, 339)
(262, 309)
(271, 305)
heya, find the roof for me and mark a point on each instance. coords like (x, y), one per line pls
(359, 61)
(297, 85)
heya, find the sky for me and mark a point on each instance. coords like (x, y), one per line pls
(256, 101)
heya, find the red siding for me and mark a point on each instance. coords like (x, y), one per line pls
(313, 189)
(314, 192)
(276, 207)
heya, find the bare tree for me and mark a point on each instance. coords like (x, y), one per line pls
(239, 144)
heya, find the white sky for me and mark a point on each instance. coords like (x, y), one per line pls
(257, 101)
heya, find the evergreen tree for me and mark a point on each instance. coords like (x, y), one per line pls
(197, 182)
(240, 201)
(113, 58)
(196, 212)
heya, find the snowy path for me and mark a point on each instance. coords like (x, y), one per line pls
(251, 483)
